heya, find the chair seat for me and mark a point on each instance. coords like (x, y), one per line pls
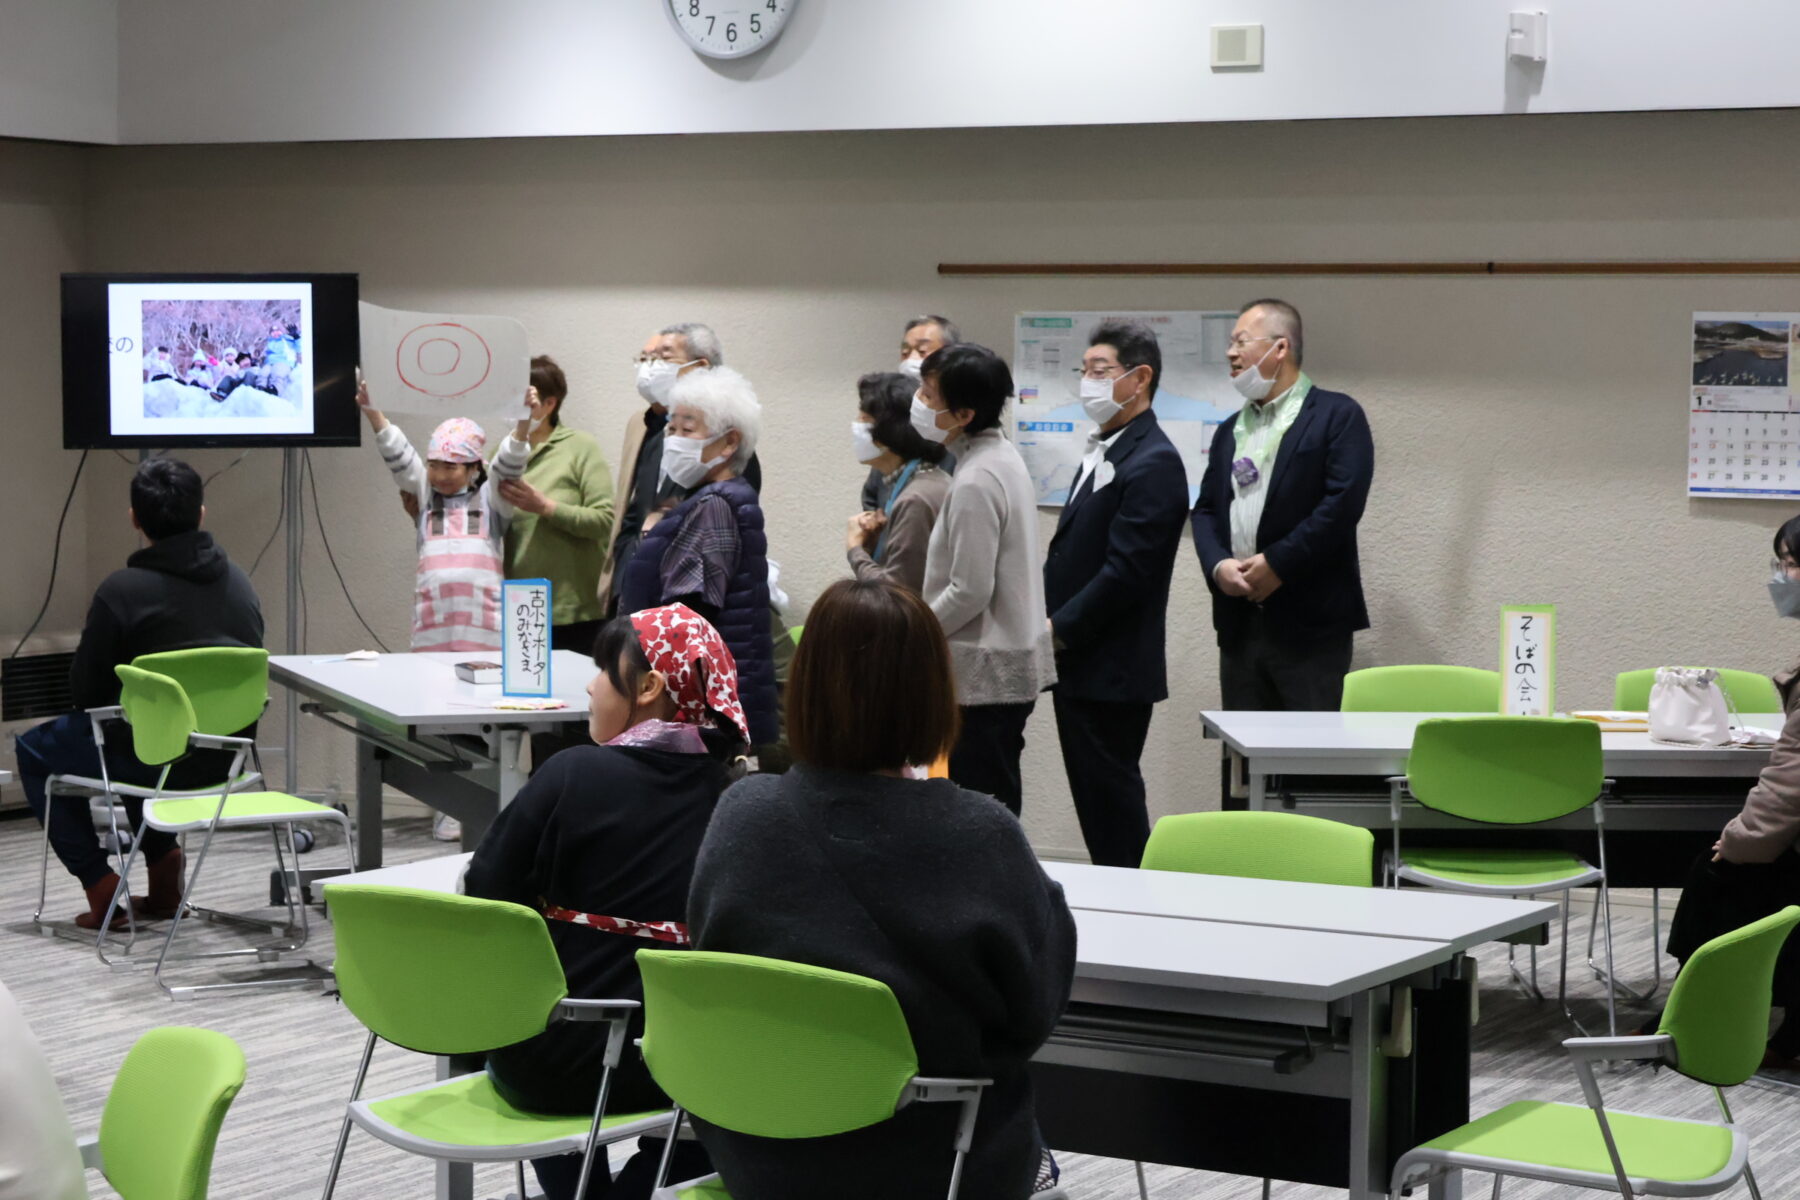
(1500, 870)
(1562, 1143)
(710, 1187)
(242, 808)
(68, 784)
(466, 1120)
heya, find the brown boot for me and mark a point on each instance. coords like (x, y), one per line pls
(99, 896)
(165, 888)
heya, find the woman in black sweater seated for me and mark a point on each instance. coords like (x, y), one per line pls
(602, 842)
(847, 862)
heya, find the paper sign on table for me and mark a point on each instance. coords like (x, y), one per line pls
(1528, 660)
(525, 637)
(444, 365)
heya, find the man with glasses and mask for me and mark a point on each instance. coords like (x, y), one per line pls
(923, 336)
(1275, 525)
(1106, 586)
(642, 489)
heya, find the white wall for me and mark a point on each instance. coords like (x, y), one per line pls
(371, 69)
(59, 70)
(1530, 433)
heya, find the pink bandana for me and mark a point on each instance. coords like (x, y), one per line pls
(675, 638)
(458, 440)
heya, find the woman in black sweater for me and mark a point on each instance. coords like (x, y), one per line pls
(602, 841)
(847, 862)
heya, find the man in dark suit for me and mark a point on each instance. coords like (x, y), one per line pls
(1106, 585)
(1275, 525)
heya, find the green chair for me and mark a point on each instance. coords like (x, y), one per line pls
(1262, 845)
(1747, 691)
(1507, 771)
(163, 1114)
(444, 974)
(782, 1050)
(164, 726)
(228, 687)
(1430, 689)
(1712, 1031)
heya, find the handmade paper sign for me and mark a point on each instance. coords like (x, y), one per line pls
(1528, 660)
(525, 633)
(444, 365)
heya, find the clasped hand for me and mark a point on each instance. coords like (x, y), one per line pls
(1252, 579)
(863, 529)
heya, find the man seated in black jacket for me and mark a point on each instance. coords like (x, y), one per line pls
(177, 593)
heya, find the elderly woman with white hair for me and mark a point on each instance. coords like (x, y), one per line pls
(709, 552)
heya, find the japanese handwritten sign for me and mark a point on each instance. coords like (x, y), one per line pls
(1528, 660)
(525, 637)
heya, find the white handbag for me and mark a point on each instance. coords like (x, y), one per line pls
(1688, 708)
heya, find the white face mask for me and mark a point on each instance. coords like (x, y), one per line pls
(1097, 400)
(911, 366)
(924, 419)
(681, 460)
(1250, 382)
(862, 442)
(655, 378)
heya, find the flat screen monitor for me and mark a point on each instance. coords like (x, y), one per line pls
(183, 360)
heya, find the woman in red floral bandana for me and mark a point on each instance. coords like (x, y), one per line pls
(602, 841)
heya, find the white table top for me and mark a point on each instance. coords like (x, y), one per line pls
(1414, 914)
(442, 874)
(1378, 743)
(403, 691)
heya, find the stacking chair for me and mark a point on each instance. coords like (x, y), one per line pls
(1262, 845)
(444, 974)
(163, 1114)
(1712, 1031)
(1430, 689)
(1507, 771)
(1747, 691)
(228, 687)
(163, 728)
(782, 1050)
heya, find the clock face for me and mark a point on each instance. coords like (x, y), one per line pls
(729, 28)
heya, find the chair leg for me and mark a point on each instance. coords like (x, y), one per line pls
(668, 1154)
(343, 1139)
(1656, 979)
(1498, 1181)
(181, 909)
(123, 890)
(37, 916)
(1612, 1005)
(1266, 1184)
(1143, 1189)
(519, 1168)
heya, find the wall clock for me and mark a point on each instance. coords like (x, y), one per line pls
(729, 28)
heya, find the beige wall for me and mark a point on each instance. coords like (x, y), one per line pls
(1530, 432)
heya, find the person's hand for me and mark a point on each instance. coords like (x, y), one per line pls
(1229, 575)
(1719, 850)
(410, 502)
(522, 429)
(1261, 578)
(863, 528)
(525, 498)
(377, 422)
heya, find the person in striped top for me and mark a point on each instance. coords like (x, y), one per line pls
(461, 526)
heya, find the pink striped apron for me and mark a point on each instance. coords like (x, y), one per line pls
(456, 604)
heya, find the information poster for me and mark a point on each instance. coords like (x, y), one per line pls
(1049, 427)
(1528, 660)
(1743, 418)
(525, 637)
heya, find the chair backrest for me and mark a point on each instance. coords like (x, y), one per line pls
(441, 973)
(1422, 689)
(163, 1114)
(159, 712)
(1505, 770)
(1718, 1010)
(1747, 691)
(770, 1048)
(1263, 845)
(227, 685)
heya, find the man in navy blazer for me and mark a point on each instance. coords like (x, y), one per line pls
(1106, 585)
(1275, 525)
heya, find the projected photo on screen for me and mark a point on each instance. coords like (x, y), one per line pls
(210, 359)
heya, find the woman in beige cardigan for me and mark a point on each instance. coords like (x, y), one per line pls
(1754, 869)
(983, 576)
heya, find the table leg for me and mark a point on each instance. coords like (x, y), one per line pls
(1368, 1098)
(455, 1181)
(368, 807)
(508, 748)
(1259, 792)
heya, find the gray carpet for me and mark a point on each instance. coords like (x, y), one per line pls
(302, 1050)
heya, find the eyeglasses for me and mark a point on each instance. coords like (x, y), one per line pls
(640, 358)
(1102, 371)
(1240, 341)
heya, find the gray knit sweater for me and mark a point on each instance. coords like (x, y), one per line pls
(985, 580)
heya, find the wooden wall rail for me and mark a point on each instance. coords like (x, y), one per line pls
(1721, 267)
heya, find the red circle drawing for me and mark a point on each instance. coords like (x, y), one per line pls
(470, 368)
